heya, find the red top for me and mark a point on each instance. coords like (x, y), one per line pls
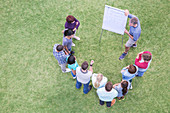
(144, 64)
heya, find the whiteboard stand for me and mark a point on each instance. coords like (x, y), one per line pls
(122, 41)
(101, 36)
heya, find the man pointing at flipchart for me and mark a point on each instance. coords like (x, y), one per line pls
(134, 33)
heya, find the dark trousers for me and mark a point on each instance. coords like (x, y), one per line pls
(130, 81)
(108, 104)
(86, 86)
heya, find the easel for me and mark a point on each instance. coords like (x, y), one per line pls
(122, 32)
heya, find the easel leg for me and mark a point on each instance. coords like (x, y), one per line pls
(101, 36)
(122, 41)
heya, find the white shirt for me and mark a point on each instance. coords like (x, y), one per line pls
(102, 82)
(83, 77)
(106, 96)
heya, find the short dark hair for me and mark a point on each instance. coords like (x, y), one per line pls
(70, 18)
(132, 69)
(134, 20)
(59, 48)
(71, 59)
(146, 57)
(68, 32)
(109, 86)
(84, 65)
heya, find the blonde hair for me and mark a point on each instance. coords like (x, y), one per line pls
(98, 80)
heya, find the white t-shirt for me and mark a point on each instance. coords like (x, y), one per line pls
(83, 77)
(102, 83)
(106, 96)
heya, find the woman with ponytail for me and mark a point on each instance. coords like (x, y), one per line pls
(122, 88)
(98, 80)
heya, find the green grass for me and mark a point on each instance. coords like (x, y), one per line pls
(31, 80)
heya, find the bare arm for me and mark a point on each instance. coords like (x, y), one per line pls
(128, 34)
(75, 26)
(91, 69)
(115, 85)
(66, 52)
(65, 47)
(74, 71)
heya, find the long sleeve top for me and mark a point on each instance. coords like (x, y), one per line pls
(140, 62)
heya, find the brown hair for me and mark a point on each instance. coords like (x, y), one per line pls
(70, 18)
(146, 56)
(134, 20)
(98, 80)
(124, 85)
(84, 65)
(109, 86)
(131, 69)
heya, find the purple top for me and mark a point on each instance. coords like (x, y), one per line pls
(72, 25)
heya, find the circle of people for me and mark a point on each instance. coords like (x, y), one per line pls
(106, 91)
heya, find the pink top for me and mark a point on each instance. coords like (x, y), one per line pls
(144, 64)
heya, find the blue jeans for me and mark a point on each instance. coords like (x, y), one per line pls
(140, 73)
(108, 104)
(73, 74)
(69, 50)
(130, 81)
(85, 89)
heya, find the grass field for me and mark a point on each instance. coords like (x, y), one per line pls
(30, 79)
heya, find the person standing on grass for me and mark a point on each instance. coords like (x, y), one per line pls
(122, 89)
(72, 65)
(134, 33)
(129, 72)
(83, 76)
(107, 94)
(61, 56)
(73, 24)
(143, 61)
(98, 80)
(67, 40)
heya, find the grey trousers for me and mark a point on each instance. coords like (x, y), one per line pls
(63, 67)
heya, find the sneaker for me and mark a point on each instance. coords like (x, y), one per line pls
(137, 75)
(122, 98)
(134, 45)
(67, 70)
(72, 52)
(73, 44)
(76, 37)
(74, 77)
(113, 102)
(122, 56)
(90, 87)
(130, 87)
